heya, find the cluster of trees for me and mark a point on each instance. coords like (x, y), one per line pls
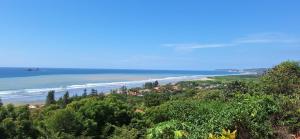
(151, 85)
(249, 108)
(16, 122)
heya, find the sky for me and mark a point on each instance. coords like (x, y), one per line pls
(149, 34)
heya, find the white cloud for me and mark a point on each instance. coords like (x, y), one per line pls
(262, 38)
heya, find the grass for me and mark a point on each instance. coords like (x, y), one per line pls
(236, 77)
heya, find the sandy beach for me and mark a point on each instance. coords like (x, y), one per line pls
(37, 96)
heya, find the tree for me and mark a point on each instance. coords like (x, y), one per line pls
(95, 114)
(1, 103)
(23, 113)
(25, 129)
(123, 90)
(84, 93)
(66, 98)
(3, 113)
(151, 85)
(64, 121)
(148, 85)
(50, 98)
(113, 91)
(156, 84)
(9, 127)
(124, 133)
(283, 78)
(11, 111)
(94, 92)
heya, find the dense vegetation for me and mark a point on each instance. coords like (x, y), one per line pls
(266, 106)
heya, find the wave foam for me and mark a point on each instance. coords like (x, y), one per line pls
(103, 87)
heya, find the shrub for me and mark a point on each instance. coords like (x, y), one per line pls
(169, 130)
(64, 121)
(124, 133)
(155, 99)
(289, 114)
(253, 115)
(231, 88)
(224, 135)
(282, 79)
(204, 116)
(249, 114)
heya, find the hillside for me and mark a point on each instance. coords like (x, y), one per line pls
(229, 107)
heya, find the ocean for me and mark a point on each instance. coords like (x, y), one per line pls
(23, 85)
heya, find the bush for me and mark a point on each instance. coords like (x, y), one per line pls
(282, 79)
(64, 121)
(249, 114)
(205, 116)
(289, 114)
(155, 99)
(96, 113)
(224, 135)
(124, 133)
(253, 115)
(231, 88)
(169, 130)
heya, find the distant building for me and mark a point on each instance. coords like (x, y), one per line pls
(32, 107)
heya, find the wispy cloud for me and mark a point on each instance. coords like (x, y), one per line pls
(262, 38)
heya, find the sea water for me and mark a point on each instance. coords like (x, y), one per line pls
(23, 85)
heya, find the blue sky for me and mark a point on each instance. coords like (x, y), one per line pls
(149, 34)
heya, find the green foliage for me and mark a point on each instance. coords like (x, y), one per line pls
(15, 122)
(198, 84)
(205, 116)
(249, 113)
(64, 121)
(224, 135)
(3, 113)
(123, 90)
(151, 85)
(212, 94)
(234, 87)
(190, 109)
(155, 99)
(1, 103)
(11, 110)
(231, 78)
(155, 84)
(95, 113)
(282, 79)
(84, 94)
(9, 126)
(253, 115)
(169, 130)
(94, 92)
(66, 98)
(124, 133)
(50, 98)
(289, 114)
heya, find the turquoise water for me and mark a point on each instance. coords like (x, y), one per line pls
(21, 85)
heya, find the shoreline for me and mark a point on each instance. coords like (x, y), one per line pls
(42, 101)
(39, 98)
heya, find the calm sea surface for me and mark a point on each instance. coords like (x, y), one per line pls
(22, 85)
